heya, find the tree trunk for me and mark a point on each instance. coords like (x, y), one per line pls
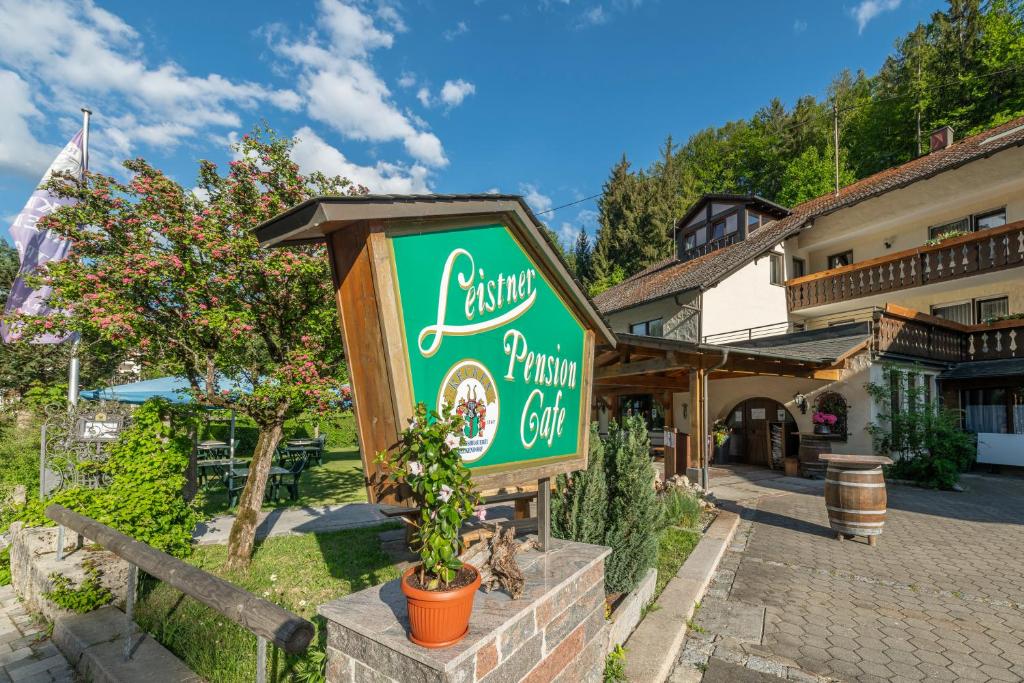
(243, 531)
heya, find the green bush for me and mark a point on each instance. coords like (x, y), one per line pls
(578, 509)
(634, 513)
(924, 439)
(146, 468)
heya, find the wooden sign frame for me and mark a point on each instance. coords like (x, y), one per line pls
(365, 284)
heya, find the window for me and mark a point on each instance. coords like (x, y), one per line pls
(840, 260)
(702, 235)
(648, 328)
(690, 241)
(775, 263)
(717, 230)
(985, 410)
(753, 221)
(958, 313)
(988, 309)
(732, 224)
(992, 219)
(961, 225)
(799, 267)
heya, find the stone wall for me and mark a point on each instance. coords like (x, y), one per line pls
(555, 632)
(34, 558)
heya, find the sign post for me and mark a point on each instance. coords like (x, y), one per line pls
(460, 303)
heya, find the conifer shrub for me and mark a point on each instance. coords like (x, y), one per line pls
(578, 509)
(613, 503)
(634, 511)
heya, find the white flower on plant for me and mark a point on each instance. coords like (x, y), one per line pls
(413, 423)
(445, 493)
(273, 577)
(452, 441)
(266, 594)
(480, 512)
(415, 468)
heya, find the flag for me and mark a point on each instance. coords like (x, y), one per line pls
(37, 247)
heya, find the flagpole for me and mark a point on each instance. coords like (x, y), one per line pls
(75, 366)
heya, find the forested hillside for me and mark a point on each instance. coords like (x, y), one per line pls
(964, 68)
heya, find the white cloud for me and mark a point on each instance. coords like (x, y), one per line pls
(594, 16)
(390, 15)
(453, 33)
(312, 153)
(423, 95)
(799, 26)
(586, 221)
(20, 152)
(539, 202)
(71, 52)
(867, 10)
(454, 92)
(407, 79)
(341, 87)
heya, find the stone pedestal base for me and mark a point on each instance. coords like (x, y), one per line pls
(555, 632)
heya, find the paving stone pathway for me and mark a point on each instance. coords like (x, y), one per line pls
(940, 599)
(26, 654)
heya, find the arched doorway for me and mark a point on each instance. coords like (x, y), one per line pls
(762, 431)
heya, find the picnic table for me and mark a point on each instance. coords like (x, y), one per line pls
(294, 449)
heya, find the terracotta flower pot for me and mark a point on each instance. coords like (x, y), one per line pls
(439, 618)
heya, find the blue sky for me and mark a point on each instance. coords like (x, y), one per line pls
(539, 97)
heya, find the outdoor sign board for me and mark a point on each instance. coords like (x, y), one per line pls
(459, 302)
(487, 337)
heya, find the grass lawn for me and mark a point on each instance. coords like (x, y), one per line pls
(297, 572)
(338, 480)
(674, 546)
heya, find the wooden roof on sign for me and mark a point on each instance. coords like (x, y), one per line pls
(312, 220)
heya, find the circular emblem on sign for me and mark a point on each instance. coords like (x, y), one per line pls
(468, 390)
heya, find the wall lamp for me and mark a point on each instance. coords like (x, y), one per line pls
(801, 402)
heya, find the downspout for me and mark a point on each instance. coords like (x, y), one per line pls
(705, 478)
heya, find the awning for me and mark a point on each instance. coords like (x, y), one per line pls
(984, 369)
(172, 389)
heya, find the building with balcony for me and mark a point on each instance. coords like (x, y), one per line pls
(919, 268)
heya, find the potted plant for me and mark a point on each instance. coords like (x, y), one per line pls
(720, 431)
(440, 590)
(823, 422)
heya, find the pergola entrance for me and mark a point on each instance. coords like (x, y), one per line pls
(663, 367)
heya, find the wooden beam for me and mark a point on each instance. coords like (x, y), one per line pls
(653, 381)
(669, 362)
(606, 358)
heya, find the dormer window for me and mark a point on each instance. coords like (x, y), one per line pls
(717, 230)
(720, 220)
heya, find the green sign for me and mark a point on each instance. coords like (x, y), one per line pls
(487, 336)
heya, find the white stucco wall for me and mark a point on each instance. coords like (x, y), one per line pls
(677, 322)
(725, 394)
(745, 299)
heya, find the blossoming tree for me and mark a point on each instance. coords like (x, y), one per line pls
(177, 274)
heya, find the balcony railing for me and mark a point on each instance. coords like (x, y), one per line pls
(711, 246)
(900, 332)
(979, 252)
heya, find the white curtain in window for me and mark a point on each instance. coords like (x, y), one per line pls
(987, 419)
(1018, 419)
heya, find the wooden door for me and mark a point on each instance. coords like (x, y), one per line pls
(758, 419)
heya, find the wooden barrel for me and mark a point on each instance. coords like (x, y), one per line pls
(812, 447)
(855, 499)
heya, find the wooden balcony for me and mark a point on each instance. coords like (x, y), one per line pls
(898, 331)
(980, 252)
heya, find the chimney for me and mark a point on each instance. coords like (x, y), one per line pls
(941, 138)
